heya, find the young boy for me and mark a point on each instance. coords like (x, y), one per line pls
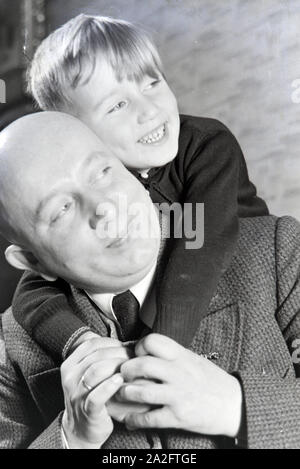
(108, 73)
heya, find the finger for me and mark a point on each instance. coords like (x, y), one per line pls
(106, 354)
(118, 411)
(158, 418)
(152, 394)
(72, 375)
(149, 367)
(89, 347)
(97, 398)
(140, 381)
(88, 335)
(98, 372)
(159, 346)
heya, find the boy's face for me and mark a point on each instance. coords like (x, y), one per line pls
(138, 122)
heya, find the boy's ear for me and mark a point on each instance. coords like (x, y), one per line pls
(25, 260)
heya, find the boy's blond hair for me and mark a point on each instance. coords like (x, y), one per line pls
(67, 57)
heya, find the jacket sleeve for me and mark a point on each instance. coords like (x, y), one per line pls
(273, 402)
(42, 309)
(20, 421)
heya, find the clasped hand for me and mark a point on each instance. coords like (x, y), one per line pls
(163, 386)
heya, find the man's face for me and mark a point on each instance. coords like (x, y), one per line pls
(82, 219)
(137, 121)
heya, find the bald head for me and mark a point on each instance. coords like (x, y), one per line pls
(69, 206)
(27, 148)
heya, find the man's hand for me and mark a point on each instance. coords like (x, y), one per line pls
(119, 408)
(90, 378)
(89, 335)
(193, 393)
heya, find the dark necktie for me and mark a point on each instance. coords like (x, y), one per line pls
(126, 308)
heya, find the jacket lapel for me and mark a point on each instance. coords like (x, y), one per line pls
(88, 312)
(219, 337)
(46, 390)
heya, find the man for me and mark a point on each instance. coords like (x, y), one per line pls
(238, 374)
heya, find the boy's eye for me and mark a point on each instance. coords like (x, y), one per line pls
(118, 106)
(153, 83)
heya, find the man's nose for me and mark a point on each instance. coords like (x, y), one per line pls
(102, 212)
(147, 109)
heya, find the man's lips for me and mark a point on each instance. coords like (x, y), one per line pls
(155, 136)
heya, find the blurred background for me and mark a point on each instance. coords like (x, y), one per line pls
(234, 60)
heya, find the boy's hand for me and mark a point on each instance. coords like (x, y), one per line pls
(90, 378)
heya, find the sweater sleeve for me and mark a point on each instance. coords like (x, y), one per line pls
(211, 177)
(273, 401)
(43, 310)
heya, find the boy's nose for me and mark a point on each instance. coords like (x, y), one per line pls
(147, 110)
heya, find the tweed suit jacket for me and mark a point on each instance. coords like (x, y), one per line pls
(253, 322)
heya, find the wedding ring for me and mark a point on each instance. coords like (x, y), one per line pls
(85, 385)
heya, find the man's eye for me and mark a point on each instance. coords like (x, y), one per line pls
(64, 209)
(107, 169)
(117, 107)
(103, 172)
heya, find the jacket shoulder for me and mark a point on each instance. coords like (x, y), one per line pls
(269, 231)
(253, 267)
(257, 240)
(264, 248)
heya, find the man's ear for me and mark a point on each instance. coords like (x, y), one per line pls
(25, 260)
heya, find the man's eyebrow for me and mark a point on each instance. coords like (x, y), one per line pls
(88, 168)
(89, 161)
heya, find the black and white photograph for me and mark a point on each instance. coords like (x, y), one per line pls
(149, 227)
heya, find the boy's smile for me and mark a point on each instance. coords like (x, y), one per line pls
(155, 137)
(138, 121)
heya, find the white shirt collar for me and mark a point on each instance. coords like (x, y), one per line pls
(140, 291)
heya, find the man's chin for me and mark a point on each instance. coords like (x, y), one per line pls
(138, 264)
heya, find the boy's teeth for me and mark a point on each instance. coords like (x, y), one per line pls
(154, 136)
